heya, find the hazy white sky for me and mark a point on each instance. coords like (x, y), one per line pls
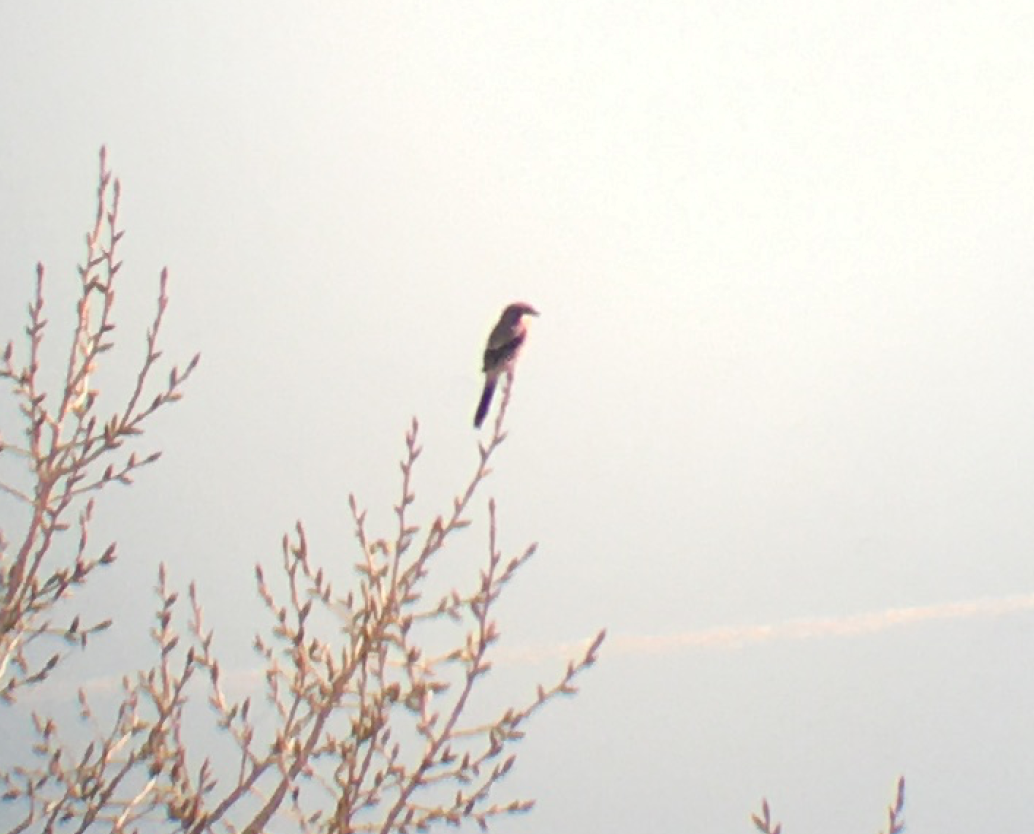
(784, 255)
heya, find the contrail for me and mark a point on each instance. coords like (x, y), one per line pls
(719, 638)
(735, 637)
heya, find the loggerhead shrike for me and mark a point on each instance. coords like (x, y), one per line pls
(503, 346)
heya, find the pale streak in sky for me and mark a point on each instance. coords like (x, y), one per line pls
(735, 637)
(721, 637)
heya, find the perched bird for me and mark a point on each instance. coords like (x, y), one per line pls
(504, 344)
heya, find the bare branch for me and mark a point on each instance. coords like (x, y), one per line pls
(67, 445)
(896, 811)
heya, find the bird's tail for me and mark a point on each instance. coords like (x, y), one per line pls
(486, 401)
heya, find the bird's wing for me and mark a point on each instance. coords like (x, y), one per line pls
(496, 356)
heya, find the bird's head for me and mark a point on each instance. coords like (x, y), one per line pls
(515, 312)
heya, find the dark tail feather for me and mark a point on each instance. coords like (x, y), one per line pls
(486, 401)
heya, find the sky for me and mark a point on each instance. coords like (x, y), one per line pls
(772, 429)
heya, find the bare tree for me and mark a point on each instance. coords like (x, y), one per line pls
(369, 689)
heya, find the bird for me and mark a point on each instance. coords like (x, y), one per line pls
(504, 343)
